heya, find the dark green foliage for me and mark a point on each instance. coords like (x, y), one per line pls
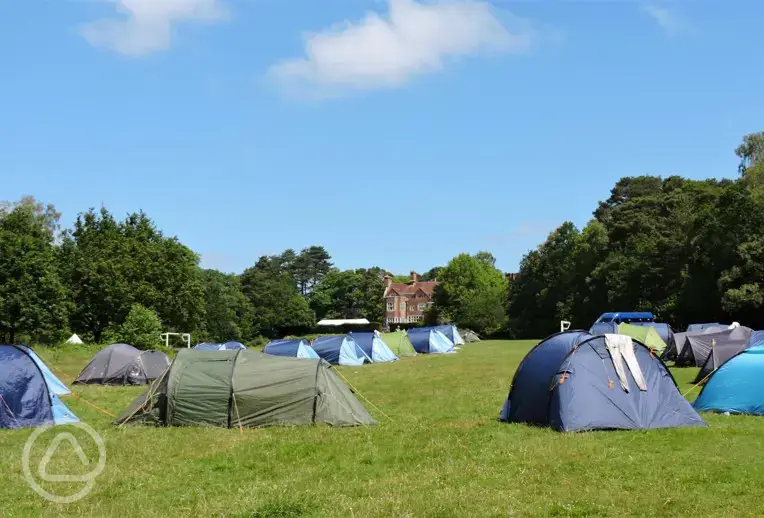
(228, 313)
(350, 294)
(141, 328)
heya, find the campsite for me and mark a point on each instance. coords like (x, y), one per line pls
(428, 459)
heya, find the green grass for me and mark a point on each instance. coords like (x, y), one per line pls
(442, 454)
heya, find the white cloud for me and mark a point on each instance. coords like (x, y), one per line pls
(414, 38)
(147, 25)
(673, 23)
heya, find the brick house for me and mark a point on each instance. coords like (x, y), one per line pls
(406, 302)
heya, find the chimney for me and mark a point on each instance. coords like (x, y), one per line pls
(388, 281)
(413, 276)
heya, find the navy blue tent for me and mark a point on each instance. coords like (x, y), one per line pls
(374, 347)
(29, 391)
(340, 350)
(429, 340)
(568, 382)
(299, 348)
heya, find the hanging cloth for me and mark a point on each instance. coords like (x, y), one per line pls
(621, 349)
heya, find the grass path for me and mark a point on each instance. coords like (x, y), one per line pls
(443, 454)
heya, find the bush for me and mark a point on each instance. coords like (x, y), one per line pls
(141, 328)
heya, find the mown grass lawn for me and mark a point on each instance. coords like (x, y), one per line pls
(442, 453)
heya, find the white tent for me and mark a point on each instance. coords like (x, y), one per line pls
(342, 322)
(74, 339)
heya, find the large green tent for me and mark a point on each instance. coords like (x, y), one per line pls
(246, 388)
(647, 335)
(399, 343)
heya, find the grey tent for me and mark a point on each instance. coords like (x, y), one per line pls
(246, 388)
(719, 355)
(123, 364)
(470, 336)
(697, 347)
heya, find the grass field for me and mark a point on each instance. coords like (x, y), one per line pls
(441, 454)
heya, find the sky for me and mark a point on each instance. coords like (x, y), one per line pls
(395, 133)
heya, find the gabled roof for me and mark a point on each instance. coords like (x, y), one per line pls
(427, 288)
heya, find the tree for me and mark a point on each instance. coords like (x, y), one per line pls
(277, 306)
(310, 267)
(46, 213)
(350, 294)
(431, 274)
(141, 328)
(228, 312)
(472, 293)
(32, 298)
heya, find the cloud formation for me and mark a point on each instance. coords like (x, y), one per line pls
(672, 23)
(147, 26)
(414, 38)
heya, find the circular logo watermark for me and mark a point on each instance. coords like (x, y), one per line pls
(42, 469)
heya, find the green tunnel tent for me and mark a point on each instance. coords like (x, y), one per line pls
(646, 335)
(246, 388)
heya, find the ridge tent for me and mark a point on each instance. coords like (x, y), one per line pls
(645, 334)
(697, 347)
(123, 364)
(340, 350)
(399, 343)
(672, 350)
(452, 333)
(246, 388)
(569, 383)
(74, 339)
(374, 347)
(737, 386)
(603, 328)
(29, 391)
(718, 356)
(227, 346)
(428, 340)
(299, 348)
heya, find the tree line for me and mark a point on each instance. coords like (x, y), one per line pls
(109, 279)
(688, 250)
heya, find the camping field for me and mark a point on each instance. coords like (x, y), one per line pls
(437, 451)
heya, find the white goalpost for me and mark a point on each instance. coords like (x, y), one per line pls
(186, 337)
(564, 326)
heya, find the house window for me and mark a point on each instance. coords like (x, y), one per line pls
(403, 306)
(421, 307)
(391, 306)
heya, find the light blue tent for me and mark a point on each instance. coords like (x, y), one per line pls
(29, 391)
(227, 346)
(428, 340)
(452, 333)
(737, 386)
(340, 350)
(568, 382)
(374, 347)
(299, 348)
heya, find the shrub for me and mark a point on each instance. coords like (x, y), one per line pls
(141, 328)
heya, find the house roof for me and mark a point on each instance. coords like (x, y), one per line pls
(428, 287)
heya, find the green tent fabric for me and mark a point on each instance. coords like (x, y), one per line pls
(399, 343)
(647, 335)
(246, 388)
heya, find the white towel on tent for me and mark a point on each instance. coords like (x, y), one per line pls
(621, 348)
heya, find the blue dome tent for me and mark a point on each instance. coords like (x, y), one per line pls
(428, 340)
(227, 346)
(374, 347)
(452, 333)
(340, 350)
(299, 348)
(737, 386)
(29, 392)
(570, 383)
(602, 328)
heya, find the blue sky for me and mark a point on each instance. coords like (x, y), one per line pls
(397, 140)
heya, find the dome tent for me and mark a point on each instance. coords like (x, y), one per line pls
(374, 347)
(246, 388)
(452, 333)
(697, 347)
(340, 350)
(428, 340)
(570, 382)
(719, 355)
(737, 386)
(29, 391)
(123, 364)
(299, 348)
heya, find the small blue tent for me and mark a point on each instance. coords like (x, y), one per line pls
(602, 328)
(374, 347)
(227, 346)
(737, 386)
(428, 340)
(299, 348)
(568, 382)
(29, 392)
(452, 333)
(340, 350)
